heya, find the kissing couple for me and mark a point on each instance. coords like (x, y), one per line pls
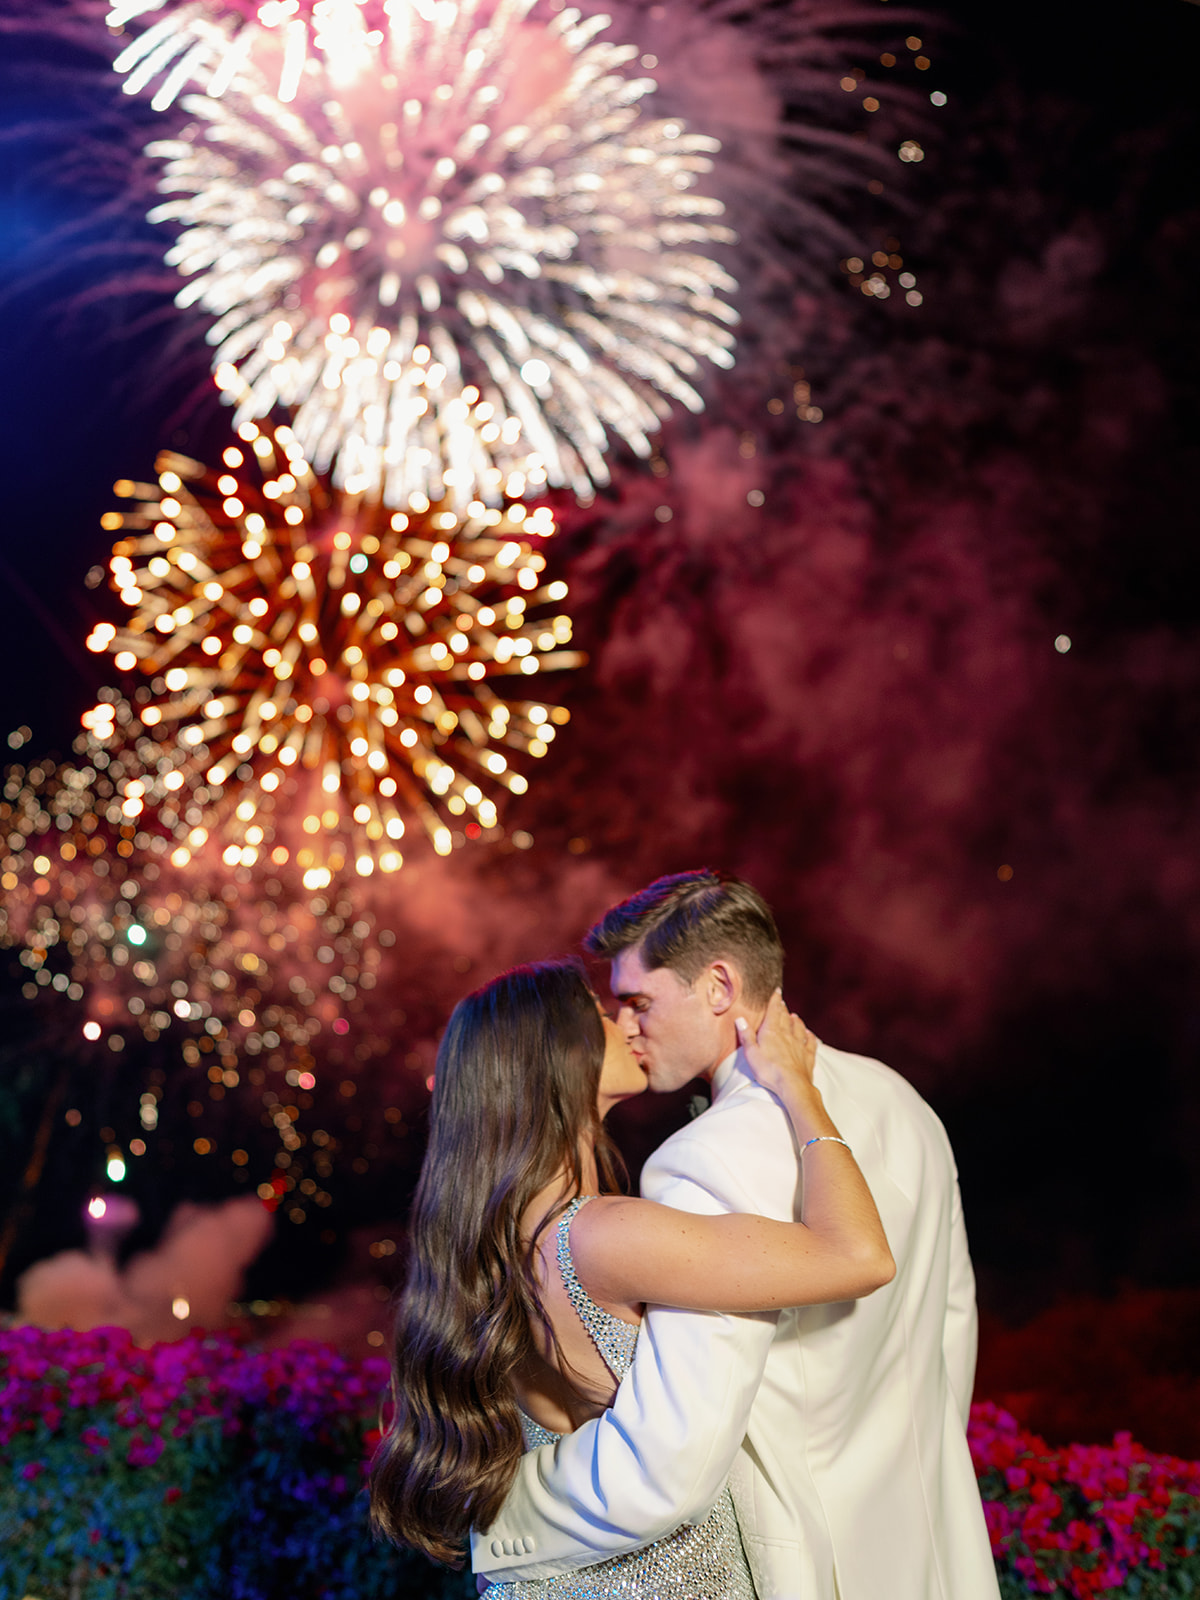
(752, 1382)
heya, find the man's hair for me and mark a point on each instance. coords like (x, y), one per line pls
(688, 920)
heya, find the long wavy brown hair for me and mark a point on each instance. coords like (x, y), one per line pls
(515, 1091)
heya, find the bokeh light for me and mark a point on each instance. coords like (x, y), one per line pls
(237, 963)
(255, 1000)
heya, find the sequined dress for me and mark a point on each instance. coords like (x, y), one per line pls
(699, 1561)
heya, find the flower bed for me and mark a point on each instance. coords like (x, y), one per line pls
(1086, 1520)
(204, 1470)
(191, 1471)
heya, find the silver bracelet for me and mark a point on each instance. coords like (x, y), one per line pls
(825, 1138)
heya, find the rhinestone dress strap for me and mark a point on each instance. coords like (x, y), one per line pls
(533, 1433)
(614, 1339)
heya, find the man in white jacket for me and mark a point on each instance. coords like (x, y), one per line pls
(841, 1427)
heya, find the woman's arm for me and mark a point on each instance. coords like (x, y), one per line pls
(629, 1251)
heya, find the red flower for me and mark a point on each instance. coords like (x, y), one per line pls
(172, 1495)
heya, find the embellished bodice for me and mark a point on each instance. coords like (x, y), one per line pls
(614, 1339)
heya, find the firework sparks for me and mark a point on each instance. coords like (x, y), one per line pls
(450, 241)
(103, 917)
(800, 123)
(320, 667)
(244, 960)
(235, 971)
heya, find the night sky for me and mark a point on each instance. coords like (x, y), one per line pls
(926, 672)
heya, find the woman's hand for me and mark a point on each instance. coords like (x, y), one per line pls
(782, 1053)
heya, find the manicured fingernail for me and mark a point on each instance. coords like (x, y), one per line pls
(740, 1024)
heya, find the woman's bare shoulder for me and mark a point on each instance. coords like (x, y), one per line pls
(611, 1227)
(603, 1232)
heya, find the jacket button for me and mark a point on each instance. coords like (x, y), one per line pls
(497, 1548)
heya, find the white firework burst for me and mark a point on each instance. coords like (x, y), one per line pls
(450, 243)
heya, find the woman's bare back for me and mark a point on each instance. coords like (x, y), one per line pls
(562, 1388)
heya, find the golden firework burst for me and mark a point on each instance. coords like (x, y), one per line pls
(319, 666)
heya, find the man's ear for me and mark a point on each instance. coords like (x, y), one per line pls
(722, 987)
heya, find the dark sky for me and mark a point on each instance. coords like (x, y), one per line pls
(982, 848)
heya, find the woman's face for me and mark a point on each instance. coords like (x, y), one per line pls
(621, 1076)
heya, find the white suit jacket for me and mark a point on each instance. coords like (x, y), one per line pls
(840, 1427)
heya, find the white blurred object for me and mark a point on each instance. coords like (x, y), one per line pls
(108, 1218)
(73, 1290)
(188, 1280)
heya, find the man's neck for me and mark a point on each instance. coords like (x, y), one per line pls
(726, 1047)
(753, 1016)
(722, 1072)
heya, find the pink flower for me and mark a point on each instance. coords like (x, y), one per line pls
(144, 1452)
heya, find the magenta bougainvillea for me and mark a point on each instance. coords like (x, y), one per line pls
(190, 1469)
(1086, 1520)
(168, 1389)
(207, 1466)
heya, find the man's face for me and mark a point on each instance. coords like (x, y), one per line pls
(671, 1025)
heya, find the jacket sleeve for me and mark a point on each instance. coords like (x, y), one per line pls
(661, 1454)
(960, 1330)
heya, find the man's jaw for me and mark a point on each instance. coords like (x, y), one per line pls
(664, 1082)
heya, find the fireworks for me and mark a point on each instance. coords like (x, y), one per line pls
(242, 960)
(320, 667)
(234, 971)
(813, 113)
(449, 242)
(102, 916)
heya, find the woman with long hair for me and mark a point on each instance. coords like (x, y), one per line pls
(528, 1274)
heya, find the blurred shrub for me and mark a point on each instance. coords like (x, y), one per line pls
(191, 1471)
(207, 1470)
(1087, 1520)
